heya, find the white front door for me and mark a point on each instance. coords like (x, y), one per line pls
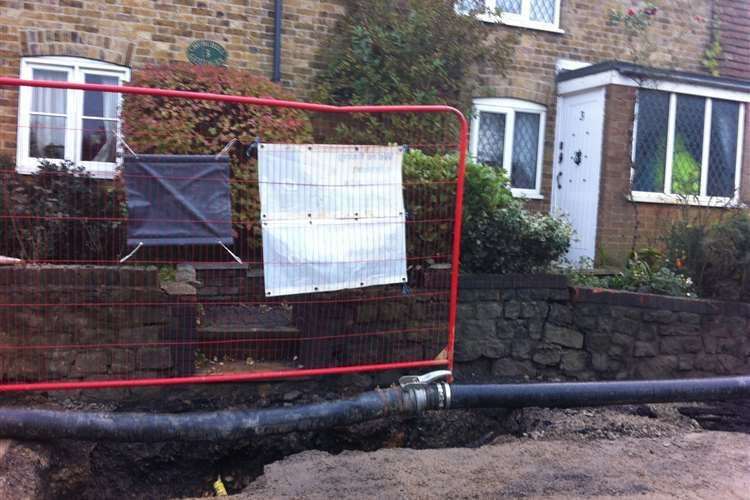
(577, 168)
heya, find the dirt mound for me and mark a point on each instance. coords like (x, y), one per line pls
(641, 421)
(692, 465)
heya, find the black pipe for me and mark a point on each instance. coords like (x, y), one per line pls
(22, 423)
(34, 424)
(567, 395)
(279, 12)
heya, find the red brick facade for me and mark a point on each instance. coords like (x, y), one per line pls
(733, 19)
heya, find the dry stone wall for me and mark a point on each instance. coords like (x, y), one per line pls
(536, 327)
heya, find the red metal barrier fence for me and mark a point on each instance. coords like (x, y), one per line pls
(74, 315)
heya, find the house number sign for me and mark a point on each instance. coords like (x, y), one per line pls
(206, 52)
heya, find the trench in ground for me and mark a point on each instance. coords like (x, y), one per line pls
(174, 470)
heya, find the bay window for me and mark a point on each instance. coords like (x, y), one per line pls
(686, 147)
(74, 125)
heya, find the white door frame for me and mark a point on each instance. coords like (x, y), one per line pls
(600, 93)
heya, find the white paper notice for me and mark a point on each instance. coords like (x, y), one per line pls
(333, 217)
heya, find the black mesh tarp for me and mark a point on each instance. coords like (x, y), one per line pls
(178, 199)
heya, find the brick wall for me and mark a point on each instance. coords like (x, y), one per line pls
(623, 224)
(733, 17)
(537, 328)
(144, 31)
(140, 32)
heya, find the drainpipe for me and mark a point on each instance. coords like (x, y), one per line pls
(414, 396)
(279, 13)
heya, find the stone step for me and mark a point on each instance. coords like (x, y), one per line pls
(258, 342)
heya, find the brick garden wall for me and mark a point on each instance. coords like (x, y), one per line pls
(516, 328)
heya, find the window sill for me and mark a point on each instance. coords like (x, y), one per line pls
(520, 23)
(526, 194)
(95, 173)
(674, 199)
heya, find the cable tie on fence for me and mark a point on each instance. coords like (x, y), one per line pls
(234, 256)
(227, 147)
(122, 140)
(137, 247)
(252, 149)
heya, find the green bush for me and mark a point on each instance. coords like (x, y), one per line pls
(430, 193)
(167, 125)
(716, 256)
(498, 236)
(61, 214)
(513, 240)
(407, 52)
(642, 274)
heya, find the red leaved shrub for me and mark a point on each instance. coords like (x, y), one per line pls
(184, 126)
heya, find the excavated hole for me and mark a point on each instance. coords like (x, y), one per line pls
(174, 470)
(84, 470)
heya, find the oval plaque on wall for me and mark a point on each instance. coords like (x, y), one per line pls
(206, 52)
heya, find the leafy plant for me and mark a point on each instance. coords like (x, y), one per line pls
(642, 274)
(61, 213)
(407, 52)
(165, 125)
(636, 22)
(715, 255)
(499, 235)
(513, 240)
(430, 193)
(713, 52)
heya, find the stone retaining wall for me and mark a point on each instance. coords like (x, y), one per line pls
(536, 327)
(90, 322)
(86, 322)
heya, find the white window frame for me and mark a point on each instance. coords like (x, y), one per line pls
(702, 199)
(522, 20)
(77, 69)
(509, 107)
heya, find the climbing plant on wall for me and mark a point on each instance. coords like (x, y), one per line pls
(408, 52)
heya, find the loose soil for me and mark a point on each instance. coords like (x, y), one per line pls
(660, 451)
(693, 465)
(645, 451)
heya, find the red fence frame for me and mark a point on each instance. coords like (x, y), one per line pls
(305, 106)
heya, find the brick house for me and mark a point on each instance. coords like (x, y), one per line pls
(563, 121)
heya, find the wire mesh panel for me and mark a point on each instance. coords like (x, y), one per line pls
(157, 274)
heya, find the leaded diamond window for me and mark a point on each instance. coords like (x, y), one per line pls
(534, 14)
(542, 10)
(510, 6)
(686, 145)
(722, 158)
(508, 134)
(491, 138)
(525, 150)
(651, 140)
